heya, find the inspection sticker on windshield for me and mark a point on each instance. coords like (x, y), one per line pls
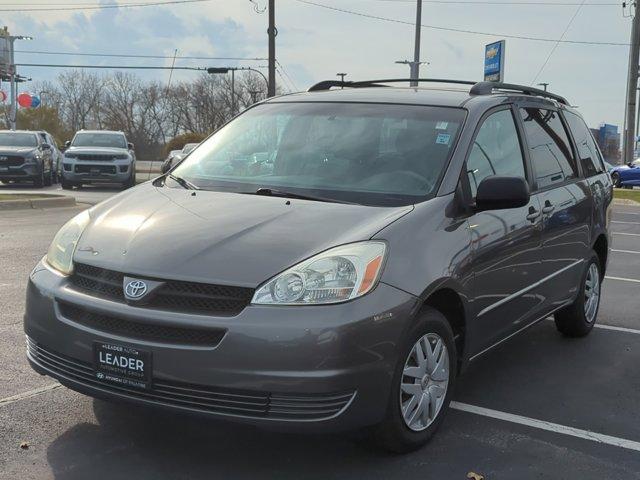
(442, 125)
(443, 139)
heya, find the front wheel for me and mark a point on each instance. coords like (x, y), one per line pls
(422, 386)
(578, 319)
(38, 180)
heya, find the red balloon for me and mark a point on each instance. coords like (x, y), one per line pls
(24, 100)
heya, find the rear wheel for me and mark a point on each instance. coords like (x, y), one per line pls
(615, 176)
(578, 319)
(422, 385)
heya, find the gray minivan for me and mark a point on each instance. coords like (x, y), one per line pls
(333, 259)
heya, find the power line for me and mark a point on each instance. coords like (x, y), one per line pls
(566, 29)
(102, 7)
(114, 67)
(510, 3)
(128, 55)
(459, 30)
(283, 80)
(293, 84)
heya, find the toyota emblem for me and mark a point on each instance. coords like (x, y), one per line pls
(135, 289)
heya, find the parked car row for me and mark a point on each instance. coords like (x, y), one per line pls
(626, 176)
(93, 156)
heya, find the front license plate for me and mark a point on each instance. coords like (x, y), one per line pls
(95, 171)
(125, 366)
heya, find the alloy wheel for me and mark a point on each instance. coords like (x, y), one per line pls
(424, 382)
(591, 293)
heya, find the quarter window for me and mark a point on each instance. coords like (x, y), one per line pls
(549, 147)
(587, 150)
(496, 150)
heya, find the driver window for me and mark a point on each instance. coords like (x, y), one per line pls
(496, 150)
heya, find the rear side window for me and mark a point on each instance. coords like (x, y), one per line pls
(587, 150)
(496, 150)
(549, 147)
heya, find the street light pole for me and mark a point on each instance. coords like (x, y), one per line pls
(632, 88)
(415, 66)
(272, 32)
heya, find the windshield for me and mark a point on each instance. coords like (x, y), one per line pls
(112, 140)
(374, 154)
(13, 139)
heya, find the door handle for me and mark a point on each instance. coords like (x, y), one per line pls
(533, 214)
(548, 207)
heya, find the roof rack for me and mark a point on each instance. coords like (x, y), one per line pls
(478, 88)
(487, 88)
(327, 84)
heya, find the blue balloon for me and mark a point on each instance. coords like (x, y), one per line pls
(35, 101)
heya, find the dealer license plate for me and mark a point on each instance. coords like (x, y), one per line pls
(125, 366)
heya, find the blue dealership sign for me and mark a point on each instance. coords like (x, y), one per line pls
(494, 62)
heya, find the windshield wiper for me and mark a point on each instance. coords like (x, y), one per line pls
(271, 192)
(182, 182)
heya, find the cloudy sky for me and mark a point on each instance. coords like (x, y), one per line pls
(315, 42)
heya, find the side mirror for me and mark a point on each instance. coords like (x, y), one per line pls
(499, 193)
(46, 146)
(130, 145)
(166, 166)
(67, 144)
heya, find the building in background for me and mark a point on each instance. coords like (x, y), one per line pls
(608, 139)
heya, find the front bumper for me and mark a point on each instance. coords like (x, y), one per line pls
(24, 171)
(116, 171)
(307, 368)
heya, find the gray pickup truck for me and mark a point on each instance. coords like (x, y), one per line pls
(98, 156)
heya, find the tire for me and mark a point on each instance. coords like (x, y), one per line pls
(131, 182)
(578, 319)
(66, 184)
(38, 180)
(48, 178)
(616, 179)
(394, 433)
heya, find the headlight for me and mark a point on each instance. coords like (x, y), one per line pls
(339, 274)
(121, 156)
(60, 254)
(70, 155)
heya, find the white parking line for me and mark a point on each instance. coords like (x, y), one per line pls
(624, 251)
(624, 233)
(625, 213)
(29, 394)
(548, 426)
(617, 329)
(629, 223)
(634, 280)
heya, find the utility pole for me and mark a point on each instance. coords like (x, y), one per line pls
(415, 66)
(341, 75)
(632, 88)
(544, 85)
(272, 32)
(13, 75)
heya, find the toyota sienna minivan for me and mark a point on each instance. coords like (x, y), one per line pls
(333, 259)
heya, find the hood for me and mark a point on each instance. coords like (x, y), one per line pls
(17, 150)
(219, 237)
(107, 150)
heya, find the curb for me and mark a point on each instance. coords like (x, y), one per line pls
(51, 201)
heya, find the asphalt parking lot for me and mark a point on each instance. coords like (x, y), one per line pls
(539, 406)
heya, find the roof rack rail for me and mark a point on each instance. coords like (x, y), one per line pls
(327, 84)
(478, 88)
(487, 88)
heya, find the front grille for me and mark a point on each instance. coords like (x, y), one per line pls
(173, 295)
(98, 157)
(96, 169)
(141, 331)
(245, 403)
(11, 161)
